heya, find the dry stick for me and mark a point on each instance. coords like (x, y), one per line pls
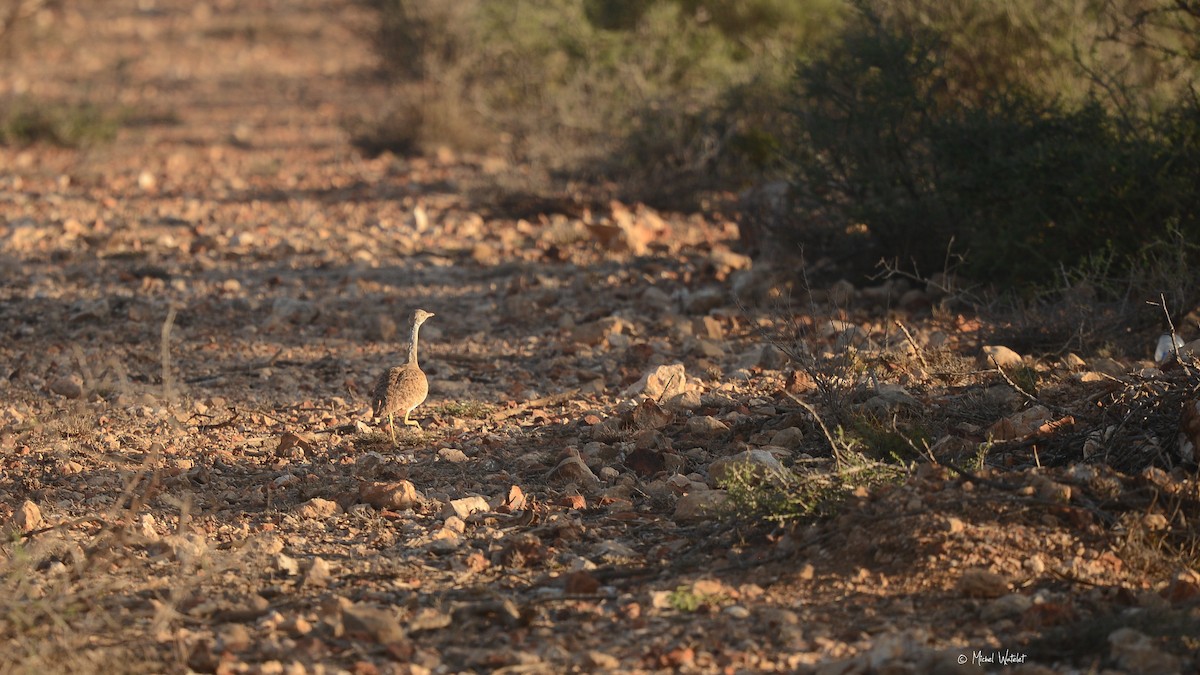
(1011, 383)
(837, 456)
(1162, 304)
(553, 399)
(218, 425)
(165, 348)
(916, 350)
(249, 368)
(89, 377)
(111, 516)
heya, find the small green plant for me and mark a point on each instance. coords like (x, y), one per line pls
(785, 496)
(685, 599)
(24, 121)
(888, 442)
(980, 459)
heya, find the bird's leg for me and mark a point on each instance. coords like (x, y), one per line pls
(411, 423)
(392, 429)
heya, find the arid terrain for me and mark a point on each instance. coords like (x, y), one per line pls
(194, 312)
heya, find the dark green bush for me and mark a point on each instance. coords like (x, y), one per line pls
(1025, 183)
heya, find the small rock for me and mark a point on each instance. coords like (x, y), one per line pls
(187, 549)
(704, 300)
(28, 517)
(1021, 424)
(954, 525)
(372, 623)
(147, 527)
(69, 386)
(464, 507)
(1109, 366)
(977, 582)
(297, 626)
(382, 328)
(1052, 491)
(701, 505)
(890, 398)
(573, 469)
(705, 425)
(1006, 607)
(660, 383)
(1184, 588)
(429, 618)
(318, 508)
(688, 400)
(954, 449)
(389, 495)
(999, 355)
(599, 661)
(452, 455)
(708, 349)
(914, 299)
(650, 415)
(1189, 431)
(287, 564)
(292, 310)
(841, 293)
(234, 637)
(771, 357)
(709, 328)
(1136, 652)
(757, 463)
(454, 524)
(485, 254)
(369, 464)
(1073, 362)
(656, 297)
(1190, 349)
(596, 332)
(725, 261)
(789, 438)
(318, 573)
(736, 612)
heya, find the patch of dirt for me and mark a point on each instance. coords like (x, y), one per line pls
(190, 479)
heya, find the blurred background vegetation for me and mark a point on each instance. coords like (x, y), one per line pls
(667, 98)
(1040, 140)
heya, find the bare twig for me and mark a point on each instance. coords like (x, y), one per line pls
(1014, 385)
(165, 348)
(553, 399)
(837, 455)
(251, 367)
(219, 425)
(916, 349)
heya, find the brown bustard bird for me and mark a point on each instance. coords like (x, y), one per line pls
(402, 388)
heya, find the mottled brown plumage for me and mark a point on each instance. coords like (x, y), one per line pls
(403, 388)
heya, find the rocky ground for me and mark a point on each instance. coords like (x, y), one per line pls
(637, 454)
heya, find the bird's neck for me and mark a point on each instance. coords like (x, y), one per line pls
(412, 343)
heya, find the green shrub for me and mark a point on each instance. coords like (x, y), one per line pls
(673, 90)
(24, 121)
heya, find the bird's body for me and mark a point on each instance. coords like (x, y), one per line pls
(401, 389)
